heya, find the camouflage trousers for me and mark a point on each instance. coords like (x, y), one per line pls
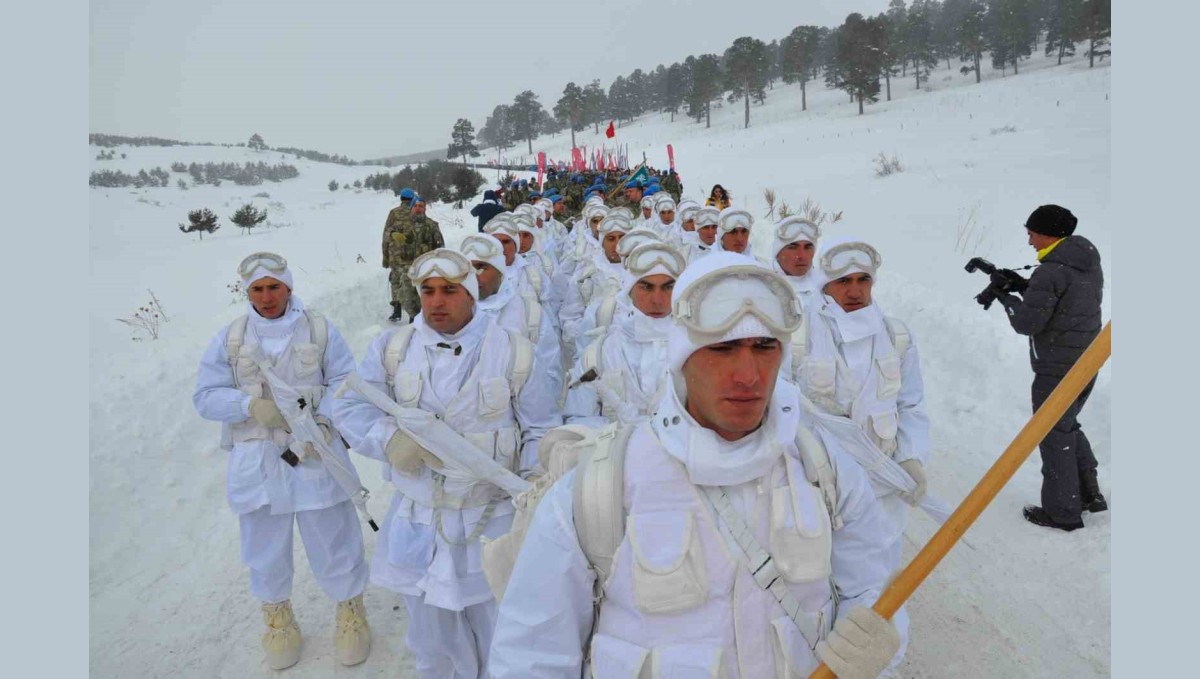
(403, 290)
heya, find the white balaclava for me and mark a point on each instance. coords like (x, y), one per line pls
(732, 218)
(261, 271)
(484, 247)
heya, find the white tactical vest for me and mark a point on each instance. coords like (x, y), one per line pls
(677, 602)
(303, 370)
(822, 374)
(616, 380)
(482, 412)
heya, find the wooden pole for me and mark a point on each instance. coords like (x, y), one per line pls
(989, 486)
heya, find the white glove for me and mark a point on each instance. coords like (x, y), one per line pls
(310, 451)
(917, 471)
(860, 645)
(407, 455)
(265, 412)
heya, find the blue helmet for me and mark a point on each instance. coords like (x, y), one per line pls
(555, 198)
(515, 184)
(407, 194)
(651, 190)
(535, 194)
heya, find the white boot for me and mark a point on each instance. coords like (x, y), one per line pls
(282, 638)
(352, 637)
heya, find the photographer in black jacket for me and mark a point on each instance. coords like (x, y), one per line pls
(1060, 312)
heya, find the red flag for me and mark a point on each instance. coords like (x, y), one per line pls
(541, 167)
(671, 156)
(577, 159)
(611, 131)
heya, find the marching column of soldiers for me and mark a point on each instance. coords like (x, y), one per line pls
(620, 442)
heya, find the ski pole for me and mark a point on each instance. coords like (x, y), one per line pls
(989, 486)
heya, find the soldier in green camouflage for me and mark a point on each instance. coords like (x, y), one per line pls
(395, 218)
(412, 238)
(671, 184)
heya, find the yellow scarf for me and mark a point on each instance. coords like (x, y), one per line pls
(1048, 249)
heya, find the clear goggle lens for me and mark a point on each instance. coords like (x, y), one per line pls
(440, 263)
(613, 223)
(267, 260)
(736, 219)
(476, 247)
(635, 238)
(716, 302)
(841, 258)
(646, 256)
(793, 229)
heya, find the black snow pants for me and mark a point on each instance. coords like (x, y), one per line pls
(1066, 454)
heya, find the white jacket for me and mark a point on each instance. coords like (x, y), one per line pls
(513, 312)
(256, 475)
(678, 602)
(630, 359)
(465, 384)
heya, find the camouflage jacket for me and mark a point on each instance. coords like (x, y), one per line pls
(414, 237)
(395, 219)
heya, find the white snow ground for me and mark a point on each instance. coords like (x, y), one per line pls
(169, 596)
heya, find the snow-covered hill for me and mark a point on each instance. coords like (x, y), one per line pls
(169, 596)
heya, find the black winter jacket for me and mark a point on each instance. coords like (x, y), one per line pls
(485, 211)
(1061, 307)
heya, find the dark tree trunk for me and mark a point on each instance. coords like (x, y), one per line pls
(1091, 52)
(747, 123)
(803, 97)
(530, 142)
(860, 107)
(917, 72)
(887, 78)
(977, 57)
(572, 135)
(707, 115)
(1016, 71)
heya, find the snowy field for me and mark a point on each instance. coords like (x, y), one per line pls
(169, 596)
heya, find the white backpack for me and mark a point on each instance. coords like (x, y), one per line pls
(519, 365)
(318, 328)
(598, 496)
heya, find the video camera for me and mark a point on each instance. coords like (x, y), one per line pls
(1002, 281)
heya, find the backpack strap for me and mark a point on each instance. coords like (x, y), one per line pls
(819, 471)
(318, 329)
(535, 279)
(604, 313)
(598, 499)
(533, 317)
(593, 356)
(799, 344)
(898, 332)
(233, 344)
(393, 353)
(520, 363)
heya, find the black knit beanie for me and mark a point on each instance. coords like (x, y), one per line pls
(1052, 220)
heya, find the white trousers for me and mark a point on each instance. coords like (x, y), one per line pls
(332, 539)
(450, 644)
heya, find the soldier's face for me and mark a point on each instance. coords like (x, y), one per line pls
(708, 234)
(796, 258)
(689, 225)
(646, 212)
(526, 241)
(851, 292)
(736, 240)
(446, 306)
(418, 209)
(269, 297)
(730, 384)
(611, 239)
(560, 208)
(489, 277)
(510, 248)
(652, 295)
(667, 216)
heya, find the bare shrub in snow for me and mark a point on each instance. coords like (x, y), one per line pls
(769, 196)
(238, 292)
(147, 320)
(1003, 130)
(972, 235)
(885, 166)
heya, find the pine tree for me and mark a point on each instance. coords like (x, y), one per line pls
(859, 58)
(918, 37)
(797, 58)
(462, 141)
(1096, 27)
(897, 15)
(333, 185)
(1062, 27)
(972, 35)
(497, 129)
(569, 109)
(1011, 32)
(674, 88)
(256, 142)
(526, 113)
(200, 221)
(595, 104)
(248, 217)
(706, 79)
(746, 69)
(891, 43)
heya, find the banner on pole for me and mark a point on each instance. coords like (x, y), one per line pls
(671, 156)
(541, 167)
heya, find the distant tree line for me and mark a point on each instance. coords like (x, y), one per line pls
(248, 174)
(435, 180)
(861, 56)
(255, 142)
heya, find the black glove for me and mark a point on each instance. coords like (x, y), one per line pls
(1007, 280)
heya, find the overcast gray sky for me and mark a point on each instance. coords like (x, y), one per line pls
(370, 78)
